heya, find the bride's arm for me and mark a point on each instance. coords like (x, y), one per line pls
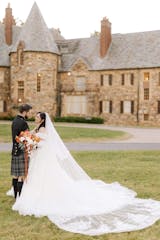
(42, 130)
(43, 136)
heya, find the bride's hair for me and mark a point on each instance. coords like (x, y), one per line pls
(43, 117)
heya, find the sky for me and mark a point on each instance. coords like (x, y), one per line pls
(81, 18)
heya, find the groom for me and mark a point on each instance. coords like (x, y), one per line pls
(18, 161)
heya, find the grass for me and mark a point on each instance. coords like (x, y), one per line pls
(138, 170)
(70, 133)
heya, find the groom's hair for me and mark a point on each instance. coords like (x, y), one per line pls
(24, 108)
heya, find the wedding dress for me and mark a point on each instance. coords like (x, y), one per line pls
(58, 187)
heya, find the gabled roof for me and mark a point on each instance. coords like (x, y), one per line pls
(127, 51)
(35, 34)
(82, 48)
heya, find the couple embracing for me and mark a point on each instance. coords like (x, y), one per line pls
(57, 187)
(20, 125)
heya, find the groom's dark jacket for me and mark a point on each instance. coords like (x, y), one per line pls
(19, 124)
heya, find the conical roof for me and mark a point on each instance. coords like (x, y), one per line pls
(35, 34)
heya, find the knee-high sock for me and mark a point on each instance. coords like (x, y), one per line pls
(20, 185)
(15, 187)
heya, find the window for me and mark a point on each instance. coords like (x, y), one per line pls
(146, 76)
(38, 82)
(158, 107)
(121, 107)
(1, 77)
(107, 79)
(75, 104)
(20, 57)
(146, 93)
(80, 84)
(146, 117)
(101, 80)
(132, 107)
(20, 91)
(4, 106)
(20, 54)
(1, 106)
(100, 107)
(122, 79)
(64, 48)
(132, 79)
(127, 107)
(110, 79)
(107, 106)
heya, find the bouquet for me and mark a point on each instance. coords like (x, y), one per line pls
(27, 142)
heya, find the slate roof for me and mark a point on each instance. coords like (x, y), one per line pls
(35, 34)
(4, 48)
(127, 51)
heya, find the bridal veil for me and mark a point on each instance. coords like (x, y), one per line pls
(59, 188)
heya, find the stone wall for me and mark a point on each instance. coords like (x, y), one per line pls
(56, 86)
(4, 90)
(116, 92)
(35, 63)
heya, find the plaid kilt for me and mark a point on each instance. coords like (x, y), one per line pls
(18, 165)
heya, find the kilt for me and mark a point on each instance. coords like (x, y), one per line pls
(18, 165)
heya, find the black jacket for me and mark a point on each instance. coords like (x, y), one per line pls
(19, 124)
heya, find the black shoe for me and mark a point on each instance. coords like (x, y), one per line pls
(15, 187)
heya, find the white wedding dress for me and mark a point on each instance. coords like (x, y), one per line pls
(58, 187)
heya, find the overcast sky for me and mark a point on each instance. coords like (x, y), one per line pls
(80, 18)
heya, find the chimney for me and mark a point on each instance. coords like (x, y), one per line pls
(8, 22)
(105, 36)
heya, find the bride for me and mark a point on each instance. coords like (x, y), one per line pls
(59, 188)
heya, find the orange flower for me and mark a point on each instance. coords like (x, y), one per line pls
(17, 139)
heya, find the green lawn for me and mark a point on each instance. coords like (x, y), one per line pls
(138, 170)
(70, 133)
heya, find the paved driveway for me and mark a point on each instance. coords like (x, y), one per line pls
(140, 139)
(138, 135)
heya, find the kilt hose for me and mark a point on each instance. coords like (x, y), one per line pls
(18, 165)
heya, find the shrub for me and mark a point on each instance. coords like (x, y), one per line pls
(79, 119)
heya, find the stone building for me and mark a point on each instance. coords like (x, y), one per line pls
(113, 76)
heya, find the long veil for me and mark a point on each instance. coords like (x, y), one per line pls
(59, 188)
(120, 210)
(64, 157)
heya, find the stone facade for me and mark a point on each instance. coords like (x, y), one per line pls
(4, 91)
(36, 66)
(131, 92)
(116, 77)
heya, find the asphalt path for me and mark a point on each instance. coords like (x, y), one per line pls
(108, 146)
(140, 139)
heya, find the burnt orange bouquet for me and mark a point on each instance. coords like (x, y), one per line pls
(27, 142)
